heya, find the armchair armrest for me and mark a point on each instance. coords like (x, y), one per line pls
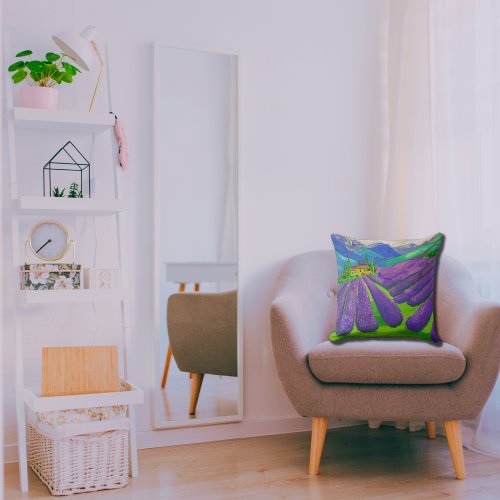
(472, 324)
(303, 314)
(301, 323)
(306, 299)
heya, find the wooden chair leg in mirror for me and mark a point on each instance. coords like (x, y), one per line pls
(319, 425)
(431, 429)
(196, 289)
(167, 366)
(196, 381)
(182, 288)
(454, 437)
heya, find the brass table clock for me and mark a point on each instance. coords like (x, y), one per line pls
(49, 240)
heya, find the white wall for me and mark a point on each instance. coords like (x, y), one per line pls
(310, 139)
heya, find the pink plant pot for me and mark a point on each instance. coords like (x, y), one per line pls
(38, 97)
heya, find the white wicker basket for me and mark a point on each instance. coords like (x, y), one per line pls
(77, 464)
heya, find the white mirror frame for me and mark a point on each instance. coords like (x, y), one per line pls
(157, 274)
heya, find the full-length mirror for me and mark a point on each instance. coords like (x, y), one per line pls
(197, 377)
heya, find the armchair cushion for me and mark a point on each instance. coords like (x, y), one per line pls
(386, 362)
(386, 288)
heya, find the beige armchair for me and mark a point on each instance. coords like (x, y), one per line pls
(383, 379)
(202, 330)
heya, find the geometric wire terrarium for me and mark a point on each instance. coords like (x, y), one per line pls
(67, 170)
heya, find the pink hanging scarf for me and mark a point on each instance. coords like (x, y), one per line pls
(122, 143)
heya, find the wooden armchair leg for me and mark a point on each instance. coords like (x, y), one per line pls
(431, 429)
(454, 437)
(196, 381)
(319, 425)
(167, 366)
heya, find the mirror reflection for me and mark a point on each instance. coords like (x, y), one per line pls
(197, 376)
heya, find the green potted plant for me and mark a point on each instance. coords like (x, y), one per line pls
(75, 191)
(42, 77)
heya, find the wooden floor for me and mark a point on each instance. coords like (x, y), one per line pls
(357, 463)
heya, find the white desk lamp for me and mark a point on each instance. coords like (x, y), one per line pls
(79, 48)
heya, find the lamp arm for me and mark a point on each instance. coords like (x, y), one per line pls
(96, 50)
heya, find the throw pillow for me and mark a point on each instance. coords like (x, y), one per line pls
(386, 288)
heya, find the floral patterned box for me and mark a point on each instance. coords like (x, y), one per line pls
(82, 415)
(50, 276)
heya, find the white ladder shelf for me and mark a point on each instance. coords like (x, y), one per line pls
(67, 121)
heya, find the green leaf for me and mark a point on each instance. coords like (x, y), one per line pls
(50, 69)
(66, 77)
(24, 53)
(17, 65)
(74, 192)
(70, 68)
(36, 76)
(51, 57)
(19, 76)
(35, 66)
(57, 193)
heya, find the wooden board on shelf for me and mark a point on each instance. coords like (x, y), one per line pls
(79, 370)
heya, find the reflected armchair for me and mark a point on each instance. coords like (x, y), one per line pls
(389, 379)
(203, 334)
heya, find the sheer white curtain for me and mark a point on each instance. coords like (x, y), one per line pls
(442, 165)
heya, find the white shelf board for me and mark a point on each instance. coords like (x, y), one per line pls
(131, 395)
(63, 120)
(72, 296)
(72, 206)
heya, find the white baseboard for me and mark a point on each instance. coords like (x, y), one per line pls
(237, 430)
(204, 434)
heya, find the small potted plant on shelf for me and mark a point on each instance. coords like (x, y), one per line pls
(58, 193)
(75, 191)
(42, 78)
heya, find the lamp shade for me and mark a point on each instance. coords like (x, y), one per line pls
(77, 47)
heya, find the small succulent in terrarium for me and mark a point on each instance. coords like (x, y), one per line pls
(75, 191)
(58, 193)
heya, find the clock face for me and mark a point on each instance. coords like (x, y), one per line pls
(49, 240)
